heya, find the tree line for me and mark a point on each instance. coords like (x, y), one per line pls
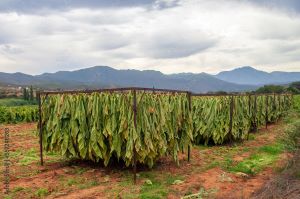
(292, 88)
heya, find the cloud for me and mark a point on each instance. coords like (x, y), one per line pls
(166, 35)
(286, 5)
(175, 44)
(36, 6)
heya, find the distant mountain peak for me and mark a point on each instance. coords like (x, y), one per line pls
(242, 68)
(250, 76)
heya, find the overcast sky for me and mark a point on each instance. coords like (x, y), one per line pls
(167, 35)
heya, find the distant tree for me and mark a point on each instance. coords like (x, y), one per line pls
(25, 94)
(2, 94)
(295, 85)
(31, 94)
(217, 92)
(293, 90)
(271, 89)
(221, 93)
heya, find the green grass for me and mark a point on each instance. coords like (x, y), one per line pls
(274, 149)
(203, 193)
(17, 189)
(170, 179)
(80, 170)
(254, 164)
(15, 102)
(156, 190)
(88, 184)
(28, 157)
(72, 182)
(41, 192)
(265, 156)
(156, 185)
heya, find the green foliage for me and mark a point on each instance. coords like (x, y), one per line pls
(254, 163)
(25, 94)
(17, 114)
(100, 126)
(294, 87)
(28, 94)
(296, 102)
(155, 190)
(26, 157)
(291, 136)
(271, 89)
(293, 90)
(31, 93)
(42, 192)
(274, 149)
(211, 119)
(211, 116)
(15, 102)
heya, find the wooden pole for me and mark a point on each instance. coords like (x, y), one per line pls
(135, 125)
(190, 109)
(231, 118)
(279, 99)
(249, 107)
(255, 111)
(40, 128)
(267, 104)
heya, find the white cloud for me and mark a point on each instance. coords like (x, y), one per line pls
(188, 36)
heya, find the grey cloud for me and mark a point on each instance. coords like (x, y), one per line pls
(176, 44)
(278, 28)
(10, 49)
(288, 5)
(163, 4)
(109, 40)
(35, 6)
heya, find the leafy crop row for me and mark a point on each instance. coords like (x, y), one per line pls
(102, 127)
(211, 116)
(17, 114)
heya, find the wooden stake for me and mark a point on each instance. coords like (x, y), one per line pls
(190, 109)
(40, 129)
(135, 125)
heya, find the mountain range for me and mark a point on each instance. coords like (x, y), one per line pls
(250, 76)
(240, 79)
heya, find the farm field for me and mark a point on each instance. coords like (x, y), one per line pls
(234, 170)
(16, 102)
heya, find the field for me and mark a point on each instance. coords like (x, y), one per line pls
(15, 102)
(213, 172)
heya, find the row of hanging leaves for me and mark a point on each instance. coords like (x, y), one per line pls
(211, 116)
(100, 126)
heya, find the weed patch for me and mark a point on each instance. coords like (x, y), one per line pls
(254, 164)
(41, 192)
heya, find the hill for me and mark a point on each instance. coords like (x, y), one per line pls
(251, 76)
(104, 76)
